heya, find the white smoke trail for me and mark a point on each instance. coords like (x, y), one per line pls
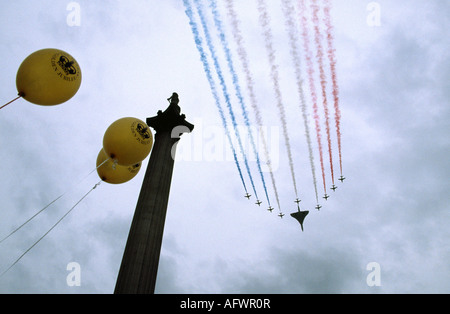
(264, 21)
(288, 10)
(312, 86)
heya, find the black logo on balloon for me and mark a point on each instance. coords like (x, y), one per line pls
(134, 168)
(67, 65)
(143, 131)
(65, 68)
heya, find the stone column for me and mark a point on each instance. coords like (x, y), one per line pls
(139, 267)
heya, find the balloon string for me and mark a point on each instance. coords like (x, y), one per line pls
(48, 205)
(20, 95)
(15, 230)
(96, 168)
(34, 244)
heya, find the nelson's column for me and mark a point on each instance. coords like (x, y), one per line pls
(139, 266)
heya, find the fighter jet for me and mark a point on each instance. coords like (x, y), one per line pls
(258, 202)
(342, 178)
(247, 196)
(334, 188)
(270, 209)
(326, 196)
(280, 215)
(297, 201)
(318, 207)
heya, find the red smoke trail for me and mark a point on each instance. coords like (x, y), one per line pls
(323, 82)
(332, 58)
(312, 85)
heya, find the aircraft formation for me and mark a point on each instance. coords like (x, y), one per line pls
(297, 200)
(313, 59)
(299, 215)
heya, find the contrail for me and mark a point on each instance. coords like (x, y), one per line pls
(219, 27)
(288, 10)
(332, 58)
(323, 81)
(264, 20)
(224, 88)
(206, 67)
(250, 88)
(312, 85)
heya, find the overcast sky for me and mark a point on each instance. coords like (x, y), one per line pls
(392, 209)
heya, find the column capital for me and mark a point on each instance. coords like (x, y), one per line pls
(170, 118)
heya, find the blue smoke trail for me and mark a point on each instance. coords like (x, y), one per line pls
(198, 43)
(224, 88)
(218, 23)
(250, 88)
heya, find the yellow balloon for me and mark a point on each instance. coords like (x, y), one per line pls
(48, 77)
(128, 141)
(110, 172)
